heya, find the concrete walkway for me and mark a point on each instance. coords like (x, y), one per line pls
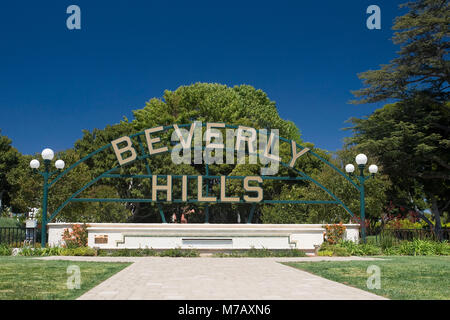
(218, 278)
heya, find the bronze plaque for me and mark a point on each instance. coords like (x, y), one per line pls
(101, 239)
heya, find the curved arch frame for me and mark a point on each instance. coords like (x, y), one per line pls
(143, 156)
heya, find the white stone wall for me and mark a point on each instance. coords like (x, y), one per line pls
(203, 236)
(55, 233)
(352, 233)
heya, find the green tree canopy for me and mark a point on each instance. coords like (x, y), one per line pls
(409, 140)
(239, 105)
(375, 196)
(9, 158)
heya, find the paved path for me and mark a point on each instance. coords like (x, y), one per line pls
(218, 278)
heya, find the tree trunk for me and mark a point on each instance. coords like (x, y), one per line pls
(135, 210)
(424, 218)
(1, 202)
(178, 213)
(437, 219)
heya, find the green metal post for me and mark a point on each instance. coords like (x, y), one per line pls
(45, 174)
(149, 173)
(161, 213)
(362, 202)
(207, 193)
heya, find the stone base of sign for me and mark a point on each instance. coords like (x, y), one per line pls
(201, 236)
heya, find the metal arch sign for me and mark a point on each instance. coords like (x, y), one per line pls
(241, 138)
(208, 149)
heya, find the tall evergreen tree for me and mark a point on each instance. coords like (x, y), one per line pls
(422, 64)
(411, 136)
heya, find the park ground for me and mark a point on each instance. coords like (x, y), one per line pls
(402, 277)
(24, 278)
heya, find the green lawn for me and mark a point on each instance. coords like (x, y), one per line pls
(28, 278)
(406, 278)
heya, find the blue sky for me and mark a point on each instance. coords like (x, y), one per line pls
(55, 82)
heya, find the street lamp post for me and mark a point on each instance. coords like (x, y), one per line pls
(47, 154)
(361, 161)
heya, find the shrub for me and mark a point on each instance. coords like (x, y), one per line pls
(261, 253)
(253, 252)
(33, 252)
(27, 251)
(442, 248)
(405, 223)
(336, 250)
(232, 254)
(123, 253)
(9, 222)
(334, 233)
(392, 251)
(264, 252)
(78, 237)
(179, 253)
(289, 253)
(411, 248)
(148, 252)
(351, 247)
(370, 249)
(325, 246)
(80, 251)
(419, 247)
(52, 251)
(325, 253)
(5, 250)
(56, 251)
(339, 251)
(387, 240)
(361, 249)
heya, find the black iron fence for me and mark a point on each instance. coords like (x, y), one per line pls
(17, 236)
(411, 234)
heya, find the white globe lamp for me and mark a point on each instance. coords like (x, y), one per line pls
(373, 168)
(34, 164)
(47, 154)
(59, 164)
(349, 168)
(361, 159)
